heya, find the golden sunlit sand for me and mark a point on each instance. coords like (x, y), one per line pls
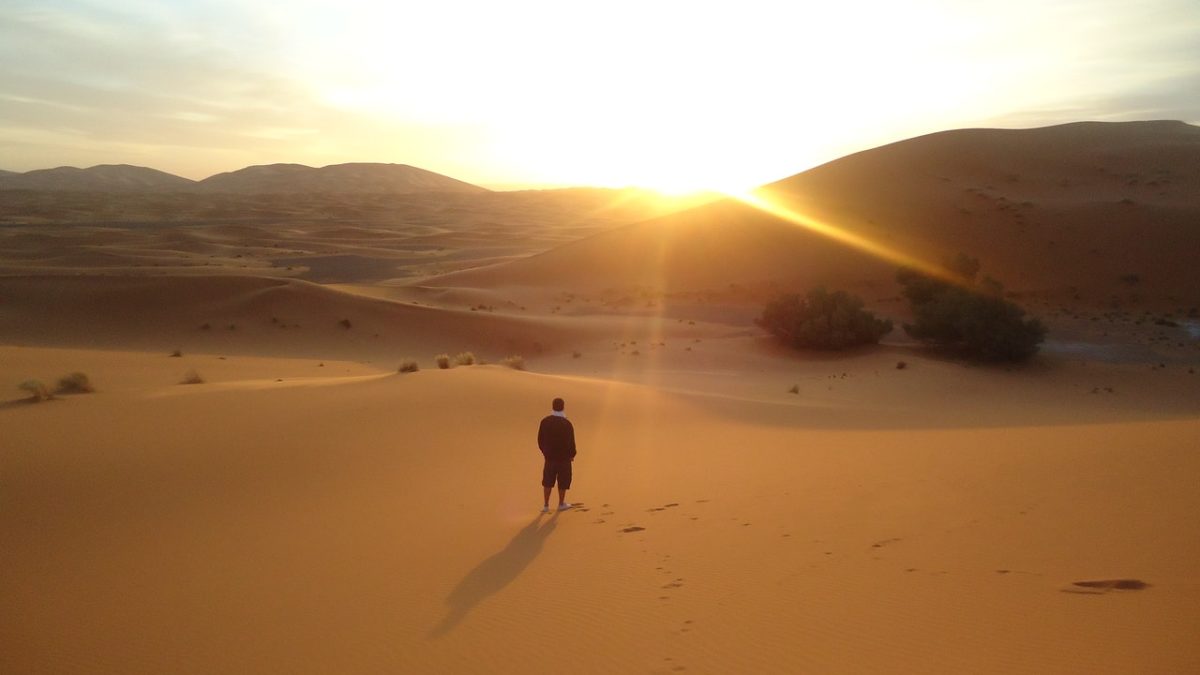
(741, 507)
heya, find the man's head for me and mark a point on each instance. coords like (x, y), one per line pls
(557, 405)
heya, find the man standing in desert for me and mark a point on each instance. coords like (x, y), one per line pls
(556, 439)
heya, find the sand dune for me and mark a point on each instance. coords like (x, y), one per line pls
(1072, 207)
(741, 506)
(252, 315)
(389, 523)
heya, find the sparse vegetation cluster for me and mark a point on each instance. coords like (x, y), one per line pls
(822, 320)
(72, 383)
(957, 311)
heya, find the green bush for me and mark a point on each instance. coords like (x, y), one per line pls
(958, 312)
(822, 320)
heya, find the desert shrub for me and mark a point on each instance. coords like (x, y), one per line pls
(176, 353)
(822, 320)
(465, 359)
(795, 389)
(958, 312)
(37, 390)
(408, 366)
(515, 362)
(345, 323)
(192, 377)
(576, 355)
(442, 361)
(75, 383)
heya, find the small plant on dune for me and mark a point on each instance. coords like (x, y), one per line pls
(345, 323)
(75, 383)
(576, 355)
(901, 365)
(442, 361)
(176, 353)
(822, 320)
(408, 366)
(795, 389)
(192, 377)
(465, 359)
(515, 362)
(37, 390)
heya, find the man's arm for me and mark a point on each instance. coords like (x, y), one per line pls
(571, 438)
(543, 442)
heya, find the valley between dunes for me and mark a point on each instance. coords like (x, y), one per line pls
(740, 507)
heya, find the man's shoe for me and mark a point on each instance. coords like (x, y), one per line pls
(564, 506)
(546, 509)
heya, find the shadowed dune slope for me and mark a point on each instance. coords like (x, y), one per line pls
(1076, 205)
(249, 315)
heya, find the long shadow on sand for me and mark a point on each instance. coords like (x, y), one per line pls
(494, 573)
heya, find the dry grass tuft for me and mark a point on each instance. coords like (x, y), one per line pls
(442, 361)
(37, 390)
(192, 377)
(408, 366)
(75, 383)
(515, 362)
(465, 359)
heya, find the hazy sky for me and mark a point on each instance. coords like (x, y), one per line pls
(674, 95)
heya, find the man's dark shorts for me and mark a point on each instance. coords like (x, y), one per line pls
(559, 470)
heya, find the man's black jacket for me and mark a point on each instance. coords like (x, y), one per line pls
(556, 438)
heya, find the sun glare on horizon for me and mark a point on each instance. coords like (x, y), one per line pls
(676, 97)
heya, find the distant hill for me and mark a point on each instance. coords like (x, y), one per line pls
(359, 178)
(101, 178)
(1070, 206)
(336, 178)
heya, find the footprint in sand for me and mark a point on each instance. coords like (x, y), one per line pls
(633, 528)
(1101, 586)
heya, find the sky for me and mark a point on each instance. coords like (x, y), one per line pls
(528, 93)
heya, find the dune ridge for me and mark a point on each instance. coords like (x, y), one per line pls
(1073, 206)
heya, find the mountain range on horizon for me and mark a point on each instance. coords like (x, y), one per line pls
(350, 178)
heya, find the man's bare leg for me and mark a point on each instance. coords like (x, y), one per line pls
(546, 497)
(562, 495)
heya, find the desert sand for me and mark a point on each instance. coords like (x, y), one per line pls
(739, 506)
